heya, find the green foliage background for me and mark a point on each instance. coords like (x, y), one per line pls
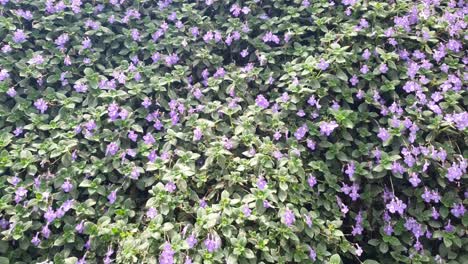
(42, 156)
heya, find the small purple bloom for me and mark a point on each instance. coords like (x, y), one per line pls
(149, 139)
(458, 210)
(67, 186)
(326, 128)
(262, 101)
(41, 105)
(246, 210)
(170, 187)
(192, 241)
(167, 255)
(80, 87)
(312, 181)
(383, 134)
(152, 213)
(197, 134)
(300, 132)
(289, 218)
(312, 254)
(20, 194)
(112, 197)
(112, 149)
(311, 144)
(11, 92)
(396, 205)
(80, 227)
(212, 243)
(35, 241)
(261, 183)
(323, 65)
(19, 36)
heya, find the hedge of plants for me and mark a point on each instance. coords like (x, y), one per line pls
(220, 131)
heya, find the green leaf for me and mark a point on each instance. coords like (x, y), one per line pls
(370, 261)
(335, 259)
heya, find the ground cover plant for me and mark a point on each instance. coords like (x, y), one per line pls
(258, 131)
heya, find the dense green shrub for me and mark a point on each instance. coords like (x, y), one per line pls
(258, 131)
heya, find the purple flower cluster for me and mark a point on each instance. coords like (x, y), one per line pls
(212, 243)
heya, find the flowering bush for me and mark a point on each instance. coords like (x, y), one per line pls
(253, 131)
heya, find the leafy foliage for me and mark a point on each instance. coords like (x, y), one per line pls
(252, 131)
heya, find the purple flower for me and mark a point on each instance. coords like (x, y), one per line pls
(149, 139)
(354, 80)
(194, 31)
(112, 149)
(326, 128)
(67, 186)
(35, 241)
(135, 34)
(212, 243)
(62, 40)
(262, 101)
(36, 59)
(191, 241)
(112, 197)
(152, 213)
(80, 87)
(388, 229)
(172, 59)
(396, 205)
(289, 218)
(383, 134)
(454, 173)
(358, 250)
(41, 105)
(167, 255)
(435, 214)
(312, 181)
(364, 69)
(270, 37)
(19, 36)
(449, 227)
(203, 203)
(197, 134)
(357, 229)
(246, 210)
(228, 144)
(360, 94)
(50, 215)
(312, 254)
(80, 227)
(132, 136)
(20, 194)
(426, 195)
(277, 135)
(311, 144)
(135, 173)
(350, 169)
(458, 210)
(300, 132)
(323, 65)
(170, 187)
(45, 231)
(414, 179)
(11, 92)
(261, 183)
(308, 221)
(4, 75)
